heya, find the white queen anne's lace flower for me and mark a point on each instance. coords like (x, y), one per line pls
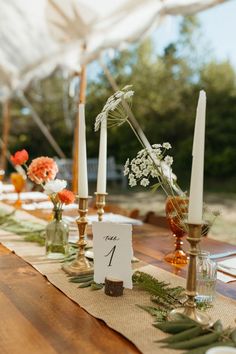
(55, 186)
(166, 146)
(168, 160)
(132, 182)
(127, 163)
(138, 174)
(143, 165)
(154, 173)
(126, 171)
(149, 164)
(144, 182)
(114, 116)
(135, 168)
(145, 172)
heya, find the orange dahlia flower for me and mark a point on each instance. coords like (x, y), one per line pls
(66, 196)
(42, 170)
(20, 157)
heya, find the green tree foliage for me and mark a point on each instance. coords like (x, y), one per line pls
(166, 92)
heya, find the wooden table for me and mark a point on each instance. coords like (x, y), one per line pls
(37, 318)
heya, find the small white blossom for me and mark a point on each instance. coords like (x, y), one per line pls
(114, 104)
(118, 94)
(166, 146)
(110, 99)
(146, 172)
(135, 168)
(168, 160)
(111, 105)
(126, 171)
(157, 152)
(138, 161)
(55, 186)
(156, 146)
(127, 87)
(128, 94)
(132, 182)
(142, 153)
(144, 182)
(139, 174)
(131, 176)
(99, 120)
(127, 163)
(143, 166)
(154, 173)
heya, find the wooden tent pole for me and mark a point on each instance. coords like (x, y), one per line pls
(82, 99)
(5, 133)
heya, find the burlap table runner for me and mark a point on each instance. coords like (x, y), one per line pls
(131, 321)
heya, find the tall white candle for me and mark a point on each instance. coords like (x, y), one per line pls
(102, 161)
(82, 155)
(196, 185)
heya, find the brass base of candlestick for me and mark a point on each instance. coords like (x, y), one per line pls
(100, 204)
(80, 265)
(193, 313)
(189, 309)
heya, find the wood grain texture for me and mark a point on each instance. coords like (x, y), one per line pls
(37, 318)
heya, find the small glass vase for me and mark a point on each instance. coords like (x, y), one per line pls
(57, 233)
(206, 273)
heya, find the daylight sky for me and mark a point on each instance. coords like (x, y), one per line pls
(218, 25)
(219, 28)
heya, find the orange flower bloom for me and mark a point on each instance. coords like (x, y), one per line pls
(66, 196)
(20, 157)
(42, 169)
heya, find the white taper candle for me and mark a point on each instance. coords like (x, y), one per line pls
(196, 185)
(102, 161)
(82, 155)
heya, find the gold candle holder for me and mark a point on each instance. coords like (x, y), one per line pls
(100, 204)
(189, 309)
(80, 265)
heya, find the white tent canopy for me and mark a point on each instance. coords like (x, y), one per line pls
(40, 35)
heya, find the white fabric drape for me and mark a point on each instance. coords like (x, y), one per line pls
(36, 36)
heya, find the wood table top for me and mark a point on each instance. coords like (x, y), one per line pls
(37, 318)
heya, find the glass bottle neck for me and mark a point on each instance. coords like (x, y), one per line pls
(57, 214)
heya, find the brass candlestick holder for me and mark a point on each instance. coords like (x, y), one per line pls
(189, 309)
(80, 265)
(100, 204)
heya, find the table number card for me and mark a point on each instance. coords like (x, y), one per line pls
(112, 246)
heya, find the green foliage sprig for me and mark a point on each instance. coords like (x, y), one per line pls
(85, 281)
(167, 298)
(32, 231)
(161, 292)
(186, 334)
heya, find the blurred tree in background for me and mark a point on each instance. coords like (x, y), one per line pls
(166, 92)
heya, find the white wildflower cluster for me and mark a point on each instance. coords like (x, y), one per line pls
(113, 110)
(147, 164)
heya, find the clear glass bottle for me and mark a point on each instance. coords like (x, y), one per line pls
(57, 233)
(206, 277)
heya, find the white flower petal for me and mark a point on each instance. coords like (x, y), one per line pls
(55, 186)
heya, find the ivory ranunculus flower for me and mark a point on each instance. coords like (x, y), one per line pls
(54, 186)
